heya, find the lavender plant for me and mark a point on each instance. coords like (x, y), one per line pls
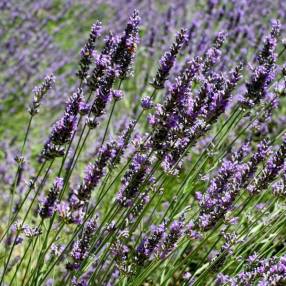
(165, 164)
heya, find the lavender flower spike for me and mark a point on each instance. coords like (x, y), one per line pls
(40, 92)
(64, 128)
(48, 206)
(86, 52)
(133, 179)
(273, 167)
(263, 74)
(124, 54)
(149, 243)
(81, 246)
(168, 60)
(169, 243)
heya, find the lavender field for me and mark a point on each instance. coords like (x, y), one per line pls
(143, 142)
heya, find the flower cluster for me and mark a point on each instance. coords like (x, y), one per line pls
(185, 117)
(149, 244)
(268, 271)
(273, 167)
(47, 207)
(86, 52)
(263, 74)
(175, 232)
(123, 56)
(40, 92)
(168, 60)
(233, 175)
(81, 247)
(137, 175)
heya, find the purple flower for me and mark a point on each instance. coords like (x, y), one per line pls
(263, 74)
(168, 60)
(213, 54)
(146, 102)
(63, 130)
(47, 208)
(103, 93)
(86, 52)
(117, 94)
(149, 244)
(134, 178)
(273, 166)
(176, 230)
(124, 53)
(74, 102)
(40, 92)
(81, 247)
(64, 211)
(102, 62)
(84, 108)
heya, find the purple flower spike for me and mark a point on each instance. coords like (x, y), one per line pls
(136, 175)
(86, 52)
(40, 92)
(176, 230)
(149, 244)
(47, 208)
(168, 60)
(81, 247)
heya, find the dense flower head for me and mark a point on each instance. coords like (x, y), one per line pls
(117, 95)
(103, 93)
(273, 167)
(47, 207)
(137, 175)
(87, 50)
(168, 116)
(81, 247)
(124, 53)
(74, 102)
(146, 102)
(149, 244)
(168, 60)
(263, 272)
(102, 62)
(175, 232)
(63, 129)
(264, 73)
(40, 92)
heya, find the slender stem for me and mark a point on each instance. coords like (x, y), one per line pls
(16, 179)
(108, 122)
(23, 221)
